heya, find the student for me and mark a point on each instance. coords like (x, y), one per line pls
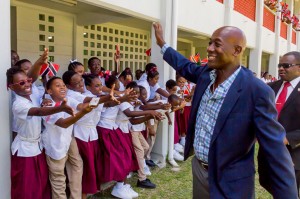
(114, 166)
(85, 131)
(124, 78)
(29, 172)
(61, 148)
(137, 141)
(76, 66)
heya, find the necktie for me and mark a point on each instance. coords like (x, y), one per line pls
(282, 97)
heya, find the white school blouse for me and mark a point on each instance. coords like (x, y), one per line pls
(108, 117)
(55, 139)
(151, 90)
(122, 120)
(85, 128)
(138, 127)
(27, 141)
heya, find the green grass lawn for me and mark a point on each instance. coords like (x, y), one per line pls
(171, 184)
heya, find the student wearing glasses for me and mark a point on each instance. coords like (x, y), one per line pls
(29, 171)
(287, 91)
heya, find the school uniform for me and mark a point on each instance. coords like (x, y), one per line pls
(86, 136)
(62, 152)
(124, 125)
(140, 145)
(111, 150)
(29, 171)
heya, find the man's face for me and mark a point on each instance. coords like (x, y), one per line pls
(220, 49)
(288, 74)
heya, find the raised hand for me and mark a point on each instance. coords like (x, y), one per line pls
(43, 59)
(112, 96)
(159, 34)
(66, 108)
(156, 115)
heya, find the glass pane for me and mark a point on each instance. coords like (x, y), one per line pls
(42, 37)
(51, 48)
(51, 38)
(85, 52)
(51, 58)
(86, 44)
(86, 35)
(42, 47)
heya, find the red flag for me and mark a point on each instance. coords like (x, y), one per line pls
(148, 52)
(50, 69)
(195, 58)
(204, 61)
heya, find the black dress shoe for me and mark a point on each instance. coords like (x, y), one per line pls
(147, 184)
(150, 163)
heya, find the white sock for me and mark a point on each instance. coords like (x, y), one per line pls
(119, 185)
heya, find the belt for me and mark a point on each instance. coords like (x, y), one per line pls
(203, 164)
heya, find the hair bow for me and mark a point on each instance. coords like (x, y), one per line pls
(154, 69)
(72, 61)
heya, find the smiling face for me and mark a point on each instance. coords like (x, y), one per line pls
(57, 90)
(76, 83)
(172, 90)
(21, 85)
(180, 82)
(96, 87)
(288, 74)
(225, 47)
(143, 95)
(95, 66)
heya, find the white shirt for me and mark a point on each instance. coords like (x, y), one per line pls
(146, 85)
(85, 127)
(143, 77)
(108, 117)
(138, 127)
(122, 120)
(122, 87)
(27, 141)
(57, 140)
(76, 95)
(290, 89)
(153, 90)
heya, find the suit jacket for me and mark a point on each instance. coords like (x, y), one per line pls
(247, 113)
(290, 119)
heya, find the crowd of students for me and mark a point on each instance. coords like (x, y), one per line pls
(88, 128)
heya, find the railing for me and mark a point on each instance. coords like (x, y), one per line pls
(246, 8)
(269, 19)
(294, 38)
(283, 30)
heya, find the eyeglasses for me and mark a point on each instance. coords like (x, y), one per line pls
(22, 82)
(286, 65)
(77, 83)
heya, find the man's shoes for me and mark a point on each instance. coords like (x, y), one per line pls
(177, 156)
(147, 184)
(178, 147)
(150, 163)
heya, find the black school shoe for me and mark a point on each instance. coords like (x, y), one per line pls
(147, 184)
(150, 163)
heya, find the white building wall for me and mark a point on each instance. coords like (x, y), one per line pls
(268, 41)
(4, 99)
(28, 34)
(198, 16)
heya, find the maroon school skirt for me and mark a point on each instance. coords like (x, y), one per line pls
(30, 177)
(112, 154)
(130, 159)
(176, 133)
(186, 116)
(90, 154)
(180, 122)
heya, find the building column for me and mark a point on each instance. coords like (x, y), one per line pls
(290, 26)
(229, 5)
(5, 132)
(169, 25)
(256, 53)
(274, 58)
